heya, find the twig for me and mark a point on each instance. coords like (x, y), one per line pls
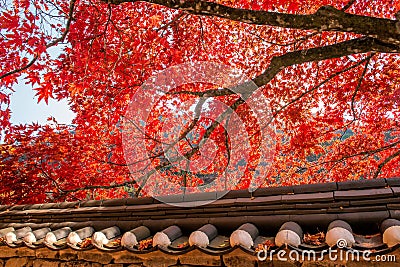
(359, 85)
(52, 43)
(382, 164)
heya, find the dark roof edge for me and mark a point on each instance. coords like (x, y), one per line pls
(260, 192)
(268, 223)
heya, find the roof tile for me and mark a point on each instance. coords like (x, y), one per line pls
(356, 209)
(316, 197)
(374, 201)
(91, 203)
(363, 204)
(139, 201)
(65, 205)
(322, 205)
(361, 184)
(114, 202)
(364, 217)
(258, 200)
(312, 188)
(396, 190)
(268, 191)
(319, 221)
(364, 193)
(244, 193)
(395, 181)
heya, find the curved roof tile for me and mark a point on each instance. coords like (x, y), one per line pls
(364, 214)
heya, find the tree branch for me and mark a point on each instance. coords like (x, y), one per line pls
(354, 46)
(51, 44)
(327, 18)
(348, 5)
(382, 164)
(30, 63)
(363, 153)
(360, 80)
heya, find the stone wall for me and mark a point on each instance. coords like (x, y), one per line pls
(44, 257)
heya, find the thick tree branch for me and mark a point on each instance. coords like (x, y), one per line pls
(361, 45)
(327, 18)
(299, 97)
(380, 36)
(351, 47)
(296, 41)
(354, 46)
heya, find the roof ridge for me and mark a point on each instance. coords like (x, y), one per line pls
(233, 194)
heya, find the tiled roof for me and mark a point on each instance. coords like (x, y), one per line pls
(363, 213)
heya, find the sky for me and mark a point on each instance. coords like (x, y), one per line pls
(25, 109)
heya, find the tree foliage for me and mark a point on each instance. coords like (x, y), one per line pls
(329, 70)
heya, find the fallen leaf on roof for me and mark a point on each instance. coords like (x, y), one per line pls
(145, 244)
(116, 242)
(316, 239)
(85, 243)
(265, 246)
(185, 244)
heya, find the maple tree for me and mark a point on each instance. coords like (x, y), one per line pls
(327, 70)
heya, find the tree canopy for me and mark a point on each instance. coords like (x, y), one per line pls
(317, 99)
